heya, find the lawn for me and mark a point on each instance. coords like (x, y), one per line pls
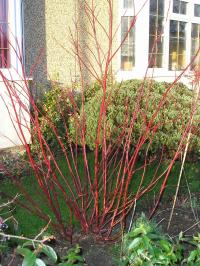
(30, 225)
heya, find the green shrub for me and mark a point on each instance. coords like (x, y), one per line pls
(122, 101)
(32, 255)
(146, 245)
(55, 110)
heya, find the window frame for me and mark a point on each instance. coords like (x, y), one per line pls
(169, 15)
(161, 36)
(141, 68)
(126, 12)
(189, 18)
(15, 38)
(4, 24)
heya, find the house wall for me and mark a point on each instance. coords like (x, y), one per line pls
(49, 27)
(35, 41)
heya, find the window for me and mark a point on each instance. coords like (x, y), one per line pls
(166, 36)
(156, 19)
(195, 45)
(128, 46)
(179, 7)
(177, 45)
(128, 3)
(127, 35)
(4, 43)
(197, 10)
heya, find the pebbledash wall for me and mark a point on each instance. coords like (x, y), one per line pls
(48, 27)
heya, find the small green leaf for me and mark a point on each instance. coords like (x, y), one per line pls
(135, 243)
(39, 262)
(29, 256)
(29, 260)
(50, 252)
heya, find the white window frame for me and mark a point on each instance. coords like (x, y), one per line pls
(142, 7)
(126, 12)
(15, 38)
(142, 37)
(189, 18)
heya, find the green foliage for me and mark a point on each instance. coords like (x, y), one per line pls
(55, 110)
(13, 163)
(145, 245)
(142, 99)
(194, 256)
(32, 255)
(73, 257)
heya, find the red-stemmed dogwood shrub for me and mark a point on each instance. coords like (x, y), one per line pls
(96, 192)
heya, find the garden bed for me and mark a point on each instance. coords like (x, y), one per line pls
(97, 253)
(185, 218)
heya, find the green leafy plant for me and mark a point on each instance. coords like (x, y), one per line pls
(15, 162)
(121, 104)
(145, 245)
(73, 257)
(31, 257)
(55, 110)
(193, 258)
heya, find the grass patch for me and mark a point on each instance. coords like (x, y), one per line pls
(30, 225)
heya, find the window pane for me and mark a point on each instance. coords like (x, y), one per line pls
(157, 6)
(195, 44)
(4, 43)
(156, 60)
(176, 6)
(128, 46)
(182, 46)
(181, 61)
(3, 36)
(153, 7)
(179, 7)
(173, 28)
(182, 29)
(3, 10)
(177, 45)
(195, 32)
(183, 8)
(128, 3)
(197, 10)
(152, 25)
(161, 7)
(155, 33)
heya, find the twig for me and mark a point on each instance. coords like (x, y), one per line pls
(191, 227)
(133, 213)
(9, 202)
(197, 223)
(43, 230)
(25, 238)
(35, 240)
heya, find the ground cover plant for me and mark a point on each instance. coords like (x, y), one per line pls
(96, 191)
(145, 244)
